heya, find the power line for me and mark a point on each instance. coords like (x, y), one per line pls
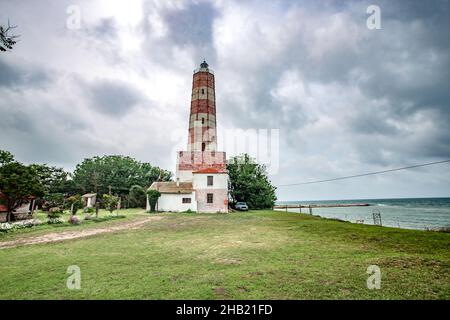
(364, 174)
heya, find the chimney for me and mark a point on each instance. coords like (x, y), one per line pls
(178, 182)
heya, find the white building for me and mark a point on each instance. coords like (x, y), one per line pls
(208, 192)
(201, 175)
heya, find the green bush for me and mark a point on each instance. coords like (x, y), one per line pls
(55, 221)
(5, 227)
(110, 202)
(74, 202)
(153, 196)
(53, 200)
(137, 197)
(54, 213)
(89, 210)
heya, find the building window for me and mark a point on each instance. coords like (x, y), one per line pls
(209, 198)
(203, 120)
(186, 200)
(203, 91)
(210, 180)
(203, 146)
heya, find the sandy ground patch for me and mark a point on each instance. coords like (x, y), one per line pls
(67, 235)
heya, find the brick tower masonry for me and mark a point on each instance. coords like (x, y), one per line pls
(202, 120)
(201, 176)
(202, 139)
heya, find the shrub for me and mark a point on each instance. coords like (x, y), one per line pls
(54, 212)
(4, 227)
(55, 220)
(110, 202)
(27, 223)
(53, 200)
(89, 210)
(137, 197)
(153, 196)
(75, 203)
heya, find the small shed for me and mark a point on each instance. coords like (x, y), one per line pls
(23, 212)
(89, 199)
(175, 196)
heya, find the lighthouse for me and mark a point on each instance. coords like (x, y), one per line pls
(201, 151)
(202, 119)
(201, 174)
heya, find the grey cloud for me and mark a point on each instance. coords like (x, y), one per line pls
(370, 122)
(405, 64)
(192, 24)
(113, 98)
(103, 37)
(27, 76)
(32, 133)
(188, 27)
(381, 97)
(105, 29)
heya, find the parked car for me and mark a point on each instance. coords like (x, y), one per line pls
(242, 206)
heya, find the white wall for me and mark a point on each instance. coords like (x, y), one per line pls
(184, 175)
(220, 181)
(174, 202)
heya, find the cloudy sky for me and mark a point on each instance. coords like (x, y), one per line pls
(346, 99)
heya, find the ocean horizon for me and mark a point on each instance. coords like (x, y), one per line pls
(406, 213)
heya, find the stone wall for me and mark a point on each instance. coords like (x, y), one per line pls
(220, 203)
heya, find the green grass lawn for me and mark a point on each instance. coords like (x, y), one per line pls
(252, 255)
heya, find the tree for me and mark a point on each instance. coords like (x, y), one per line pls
(120, 173)
(54, 179)
(7, 41)
(137, 197)
(110, 202)
(249, 183)
(6, 157)
(74, 203)
(18, 183)
(52, 200)
(153, 196)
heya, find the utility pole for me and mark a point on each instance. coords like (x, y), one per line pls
(109, 189)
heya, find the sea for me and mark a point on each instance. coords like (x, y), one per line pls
(407, 213)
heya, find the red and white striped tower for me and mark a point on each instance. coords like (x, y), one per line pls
(202, 141)
(202, 120)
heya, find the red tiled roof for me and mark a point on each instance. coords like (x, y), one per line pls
(210, 170)
(171, 187)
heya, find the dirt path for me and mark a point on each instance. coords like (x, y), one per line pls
(67, 235)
